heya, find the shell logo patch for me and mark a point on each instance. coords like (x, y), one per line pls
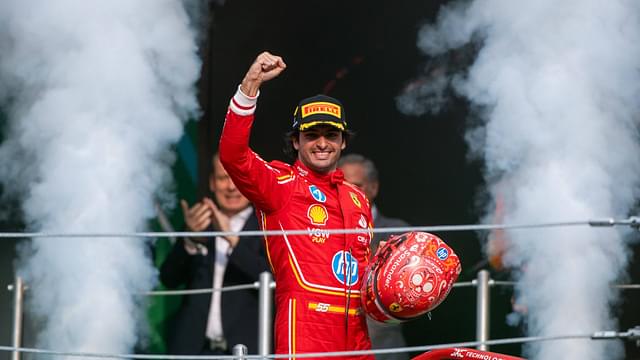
(345, 267)
(317, 194)
(317, 214)
(355, 200)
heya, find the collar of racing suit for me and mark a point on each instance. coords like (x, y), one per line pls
(334, 177)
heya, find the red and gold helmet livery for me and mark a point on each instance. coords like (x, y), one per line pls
(408, 277)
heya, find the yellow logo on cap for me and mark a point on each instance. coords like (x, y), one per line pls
(317, 214)
(321, 107)
(395, 307)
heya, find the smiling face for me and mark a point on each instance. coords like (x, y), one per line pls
(319, 147)
(227, 196)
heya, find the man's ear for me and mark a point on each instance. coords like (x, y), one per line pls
(344, 144)
(295, 142)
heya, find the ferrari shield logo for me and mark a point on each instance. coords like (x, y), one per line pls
(355, 200)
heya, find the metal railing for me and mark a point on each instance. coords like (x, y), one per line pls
(483, 282)
(265, 286)
(18, 302)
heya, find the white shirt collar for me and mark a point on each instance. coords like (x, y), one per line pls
(238, 220)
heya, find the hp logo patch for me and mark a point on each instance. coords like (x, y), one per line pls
(442, 253)
(317, 194)
(345, 266)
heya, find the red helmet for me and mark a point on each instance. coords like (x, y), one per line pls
(408, 277)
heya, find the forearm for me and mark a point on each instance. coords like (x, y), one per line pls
(235, 154)
(243, 166)
(250, 85)
(234, 141)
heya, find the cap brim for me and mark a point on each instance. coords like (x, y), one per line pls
(307, 126)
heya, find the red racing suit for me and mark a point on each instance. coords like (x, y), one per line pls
(318, 275)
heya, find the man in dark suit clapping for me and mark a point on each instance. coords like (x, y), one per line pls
(211, 324)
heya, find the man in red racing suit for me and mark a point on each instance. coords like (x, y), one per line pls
(318, 274)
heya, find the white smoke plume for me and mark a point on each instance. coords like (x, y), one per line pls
(557, 85)
(96, 93)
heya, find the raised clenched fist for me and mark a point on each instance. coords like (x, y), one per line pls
(266, 67)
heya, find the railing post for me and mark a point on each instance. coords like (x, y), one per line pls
(18, 292)
(265, 311)
(482, 308)
(239, 351)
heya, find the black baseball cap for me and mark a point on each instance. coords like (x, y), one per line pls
(319, 110)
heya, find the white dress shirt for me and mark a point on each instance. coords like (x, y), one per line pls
(223, 250)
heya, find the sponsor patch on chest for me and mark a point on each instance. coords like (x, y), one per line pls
(364, 239)
(317, 214)
(345, 268)
(318, 236)
(355, 200)
(317, 194)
